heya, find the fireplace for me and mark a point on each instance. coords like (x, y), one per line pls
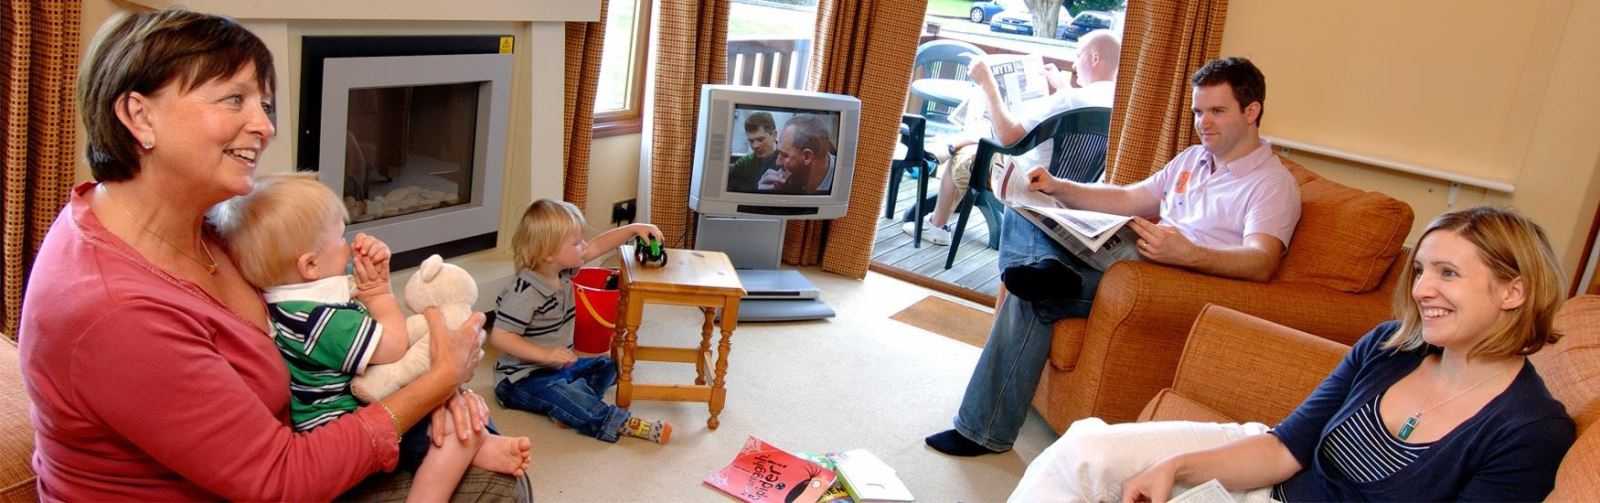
(411, 133)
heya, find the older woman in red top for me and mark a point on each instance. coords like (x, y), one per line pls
(148, 359)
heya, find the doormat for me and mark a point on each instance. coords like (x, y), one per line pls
(950, 319)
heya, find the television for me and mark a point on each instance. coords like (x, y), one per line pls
(774, 153)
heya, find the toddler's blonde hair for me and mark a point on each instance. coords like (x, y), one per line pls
(284, 217)
(544, 228)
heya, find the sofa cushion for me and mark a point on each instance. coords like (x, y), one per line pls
(1346, 238)
(1571, 366)
(1168, 405)
(16, 433)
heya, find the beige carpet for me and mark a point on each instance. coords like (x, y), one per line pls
(949, 318)
(859, 380)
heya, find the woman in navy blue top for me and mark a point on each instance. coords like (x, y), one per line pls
(1441, 404)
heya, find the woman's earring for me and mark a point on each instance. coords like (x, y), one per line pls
(148, 145)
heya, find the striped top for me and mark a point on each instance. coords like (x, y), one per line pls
(540, 312)
(1363, 450)
(326, 338)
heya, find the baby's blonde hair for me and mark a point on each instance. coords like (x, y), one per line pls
(284, 217)
(544, 228)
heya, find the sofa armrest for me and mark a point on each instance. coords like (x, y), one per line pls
(1249, 368)
(16, 432)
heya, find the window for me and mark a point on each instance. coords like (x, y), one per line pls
(769, 43)
(621, 88)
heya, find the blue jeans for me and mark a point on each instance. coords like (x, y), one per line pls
(574, 395)
(1001, 389)
(1021, 243)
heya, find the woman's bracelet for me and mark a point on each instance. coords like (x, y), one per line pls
(394, 418)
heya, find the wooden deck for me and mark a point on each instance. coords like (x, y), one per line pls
(975, 274)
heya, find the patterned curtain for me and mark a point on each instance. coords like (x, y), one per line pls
(38, 65)
(865, 49)
(1163, 43)
(584, 44)
(691, 48)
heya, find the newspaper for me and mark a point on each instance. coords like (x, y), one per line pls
(1020, 78)
(1100, 239)
(1209, 492)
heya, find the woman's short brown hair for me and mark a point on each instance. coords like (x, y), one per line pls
(1513, 247)
(545, 226)
(143, 51)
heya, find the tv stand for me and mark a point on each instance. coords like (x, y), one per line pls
(755, 246)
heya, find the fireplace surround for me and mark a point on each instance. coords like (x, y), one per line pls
(411, 132)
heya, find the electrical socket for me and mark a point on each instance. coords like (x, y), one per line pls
(623, 211)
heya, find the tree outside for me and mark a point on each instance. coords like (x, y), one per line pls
(1045, 12)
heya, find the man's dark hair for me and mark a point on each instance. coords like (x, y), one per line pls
(1242, 76)
(762, 121)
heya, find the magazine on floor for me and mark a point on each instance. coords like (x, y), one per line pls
(1100, 239)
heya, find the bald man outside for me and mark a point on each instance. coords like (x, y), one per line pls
(1095, 68)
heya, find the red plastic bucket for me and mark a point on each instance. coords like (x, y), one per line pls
(597, 310)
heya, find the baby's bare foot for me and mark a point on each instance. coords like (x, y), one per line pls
(507, 455)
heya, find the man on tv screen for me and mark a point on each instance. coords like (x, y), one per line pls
(805, 159)
(762, 133)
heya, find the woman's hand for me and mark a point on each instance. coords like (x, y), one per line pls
(1154, 484)
(455, 350)
(466, 409)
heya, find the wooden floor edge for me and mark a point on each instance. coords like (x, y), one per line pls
(931, 284)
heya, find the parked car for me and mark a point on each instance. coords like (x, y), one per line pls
(983, 11)
(1087, 21)
(1020, 21)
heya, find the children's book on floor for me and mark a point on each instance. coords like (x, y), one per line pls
(762, 472)
(867, 478)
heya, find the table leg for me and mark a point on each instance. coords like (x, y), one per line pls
(619, 333)
(730, 321)
(705, 344)
(630, 345)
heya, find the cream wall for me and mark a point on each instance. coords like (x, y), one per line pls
(1496, 90)
(613, 176)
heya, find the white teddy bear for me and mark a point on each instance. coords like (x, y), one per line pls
(435, 284)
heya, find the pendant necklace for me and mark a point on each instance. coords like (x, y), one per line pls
(211, 268)
(1411, 422)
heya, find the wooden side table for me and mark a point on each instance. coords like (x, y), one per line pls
(704, 279)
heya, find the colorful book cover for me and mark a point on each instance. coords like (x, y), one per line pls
(764, 473)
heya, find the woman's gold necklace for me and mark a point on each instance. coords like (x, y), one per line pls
(1411, 422)
(211, 268)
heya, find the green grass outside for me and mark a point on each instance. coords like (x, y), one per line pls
(949, 8)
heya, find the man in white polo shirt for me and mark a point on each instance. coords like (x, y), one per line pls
(1228, 208)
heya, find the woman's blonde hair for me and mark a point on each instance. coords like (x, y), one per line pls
(1513, 247)
(544, 228)
(284, 217)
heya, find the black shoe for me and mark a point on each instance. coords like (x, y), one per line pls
(1043, 280)
(951, 442)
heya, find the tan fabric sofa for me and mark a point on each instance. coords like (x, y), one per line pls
(1335, 281)
(1285, 365)
(16, 433)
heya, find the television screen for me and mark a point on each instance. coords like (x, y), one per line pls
(779, 150)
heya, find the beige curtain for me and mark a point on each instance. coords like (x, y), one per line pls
(864, 48)
(38, 62)
(1163, 43)
(691, 48)
(585, 42)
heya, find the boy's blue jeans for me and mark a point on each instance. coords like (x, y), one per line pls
(1001, 389)
(574, 395)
